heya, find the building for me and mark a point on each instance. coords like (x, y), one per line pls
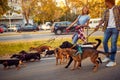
(13, 17)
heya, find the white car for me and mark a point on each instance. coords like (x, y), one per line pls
(94, 22)
(46, 26)
(13, 27)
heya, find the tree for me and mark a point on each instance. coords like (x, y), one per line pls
(4, 7)
(46, 10)
(96, 8)
(27, 9)
(118, 3)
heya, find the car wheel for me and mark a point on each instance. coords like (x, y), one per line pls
(58, 32)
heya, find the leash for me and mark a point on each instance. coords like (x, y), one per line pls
(48, 41)
(73, 46)
(90, 34)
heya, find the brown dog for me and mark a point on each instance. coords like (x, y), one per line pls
(40, 48)
(87, 52)
(61, 55)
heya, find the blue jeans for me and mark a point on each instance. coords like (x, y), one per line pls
(75, 38)
(113, 34)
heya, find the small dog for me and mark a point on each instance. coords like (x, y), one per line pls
(10, 62)
(49, 52)
(40, 48)
(87, 52)
(60, 55)
(24, 56)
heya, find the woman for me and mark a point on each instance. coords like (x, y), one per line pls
(82, 22)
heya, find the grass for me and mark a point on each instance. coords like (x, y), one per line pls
(8, 48)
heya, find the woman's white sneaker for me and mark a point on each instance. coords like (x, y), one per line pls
(105, 60)
(111, 64)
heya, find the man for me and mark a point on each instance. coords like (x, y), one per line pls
(111, 28)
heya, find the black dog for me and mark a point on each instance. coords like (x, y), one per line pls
(10, 62)
(49, 52)
(23, 52)
(67, 44)
(27, 56)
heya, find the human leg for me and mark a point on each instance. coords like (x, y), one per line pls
(75, 38)
(107, 35)
(114, 39)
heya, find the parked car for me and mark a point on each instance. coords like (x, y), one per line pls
(14, 27)
(46, 26)
(60, 27)
(28, 28)
(1, 30)
(4, 27)
(94, 22)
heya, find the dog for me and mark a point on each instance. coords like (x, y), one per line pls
(40, 48)
(67, 44)
(60, 55)
(49, 52)
(23, 52)
(87, 52)
(25, 56)
(10, 62)
(76, 58)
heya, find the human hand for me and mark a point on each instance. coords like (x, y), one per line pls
(96, 28)
(77, 27)
(67, 30)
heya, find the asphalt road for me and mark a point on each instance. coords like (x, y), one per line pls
(47, 70)
(13, 36)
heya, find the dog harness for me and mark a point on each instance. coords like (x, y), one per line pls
(79, 51)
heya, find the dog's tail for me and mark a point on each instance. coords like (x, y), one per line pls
(99, 42)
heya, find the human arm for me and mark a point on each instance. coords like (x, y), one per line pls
(100, 23)
(72, 24)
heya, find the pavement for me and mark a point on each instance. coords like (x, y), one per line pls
(47, 70)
